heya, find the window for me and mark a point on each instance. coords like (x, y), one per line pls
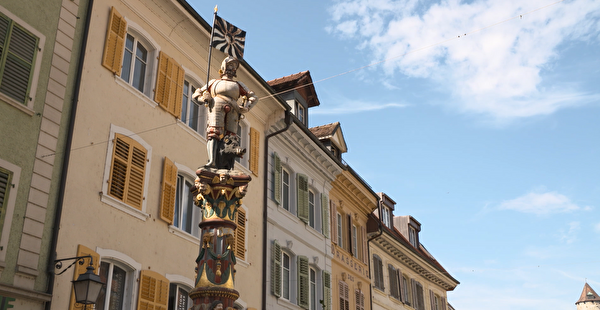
(311, 209)
(303, 282)
(5, 187)
(116, 279)
(127, 172)
(240, 234)
(325, 215)
(412, 236)
(18, 51)
(406, 293)
(326, 290)
(394, 285)
(285, 275)
(360, 300)
(313, 289)
(340, 230)
(187, 215)
(242, 132)
(285, 185)
(417, 295)
(135, 61)
(344, 298)
(9, 187)
(193, 113)
(354, 241)
(179, 298)
(386, 217)
(300, 112)
(378, 272)
(302, 197)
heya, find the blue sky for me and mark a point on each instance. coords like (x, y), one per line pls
(479, 118)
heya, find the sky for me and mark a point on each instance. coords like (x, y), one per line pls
(480, 118)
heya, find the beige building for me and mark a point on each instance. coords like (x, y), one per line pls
(351, 201)
(138, 139)
(404, 274)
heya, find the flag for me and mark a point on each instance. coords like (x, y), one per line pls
(228, 38)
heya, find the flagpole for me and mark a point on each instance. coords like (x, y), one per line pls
(212, 33)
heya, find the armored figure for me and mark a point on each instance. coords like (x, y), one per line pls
(227, 100)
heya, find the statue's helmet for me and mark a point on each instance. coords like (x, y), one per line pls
(229, 61)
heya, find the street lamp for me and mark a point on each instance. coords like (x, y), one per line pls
(88, 285)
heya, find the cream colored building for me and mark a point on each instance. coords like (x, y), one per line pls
(138, 139)
(404, 274)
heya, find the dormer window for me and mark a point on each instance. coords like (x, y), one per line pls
(386, 217)
(412, 236)
(300, 113)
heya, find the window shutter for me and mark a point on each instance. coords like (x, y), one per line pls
(443, 303)
(326, 290)
(303, 290)
(431, 300)
(333, 215)
(79, 269)
(254, 150)
(115, 42)
(415, 299)
(126, 181)
(325, 210)
(401, 284)
(5, 185)
(240, 234)
(302, 190)
(391, 271)
(363, 236)
(154, 291)
(277, 178)
(276, 269)
(349, 232)
(169, 84)
(18, 49)
(169, 189)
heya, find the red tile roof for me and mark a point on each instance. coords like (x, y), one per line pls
(301, 82)
(588, 294)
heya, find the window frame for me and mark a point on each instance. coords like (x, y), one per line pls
(9, 204)
(244, 134)
(313, 291)
(36, 64)
(128, 264)
(186, 106)
(312, 210)
(354, 241)
(196, 215)
(412, 236)
(106, 197)
(289, 276)
(173, 303)
(340, 229)
(285, 189)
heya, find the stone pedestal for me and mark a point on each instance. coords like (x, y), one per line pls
(219, 194)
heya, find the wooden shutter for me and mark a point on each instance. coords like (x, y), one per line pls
(126, 181)
(326, 290)
(432, 300)
(443, 303)
(115, 42)
(334, 228)
(344, 296)
(276, 269)
(254, 150)
(240, 234)
(303, 289)
(401, 284)
(415, 300)
(169, 189)
(154, 291)
(169, 84)
(349, 232)
(391, 272)
(302, 193)
(80, 269)
(325, 217)
(363, 236)
(5, 186)
(18, 50)
(277, 169)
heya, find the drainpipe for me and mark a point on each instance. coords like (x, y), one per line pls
(288, 122)
(65, 164)
(369, 249)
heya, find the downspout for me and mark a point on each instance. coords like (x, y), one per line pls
(65, 164)
(369, 249)
(288, 122)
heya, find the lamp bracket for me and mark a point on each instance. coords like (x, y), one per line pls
(78, 259)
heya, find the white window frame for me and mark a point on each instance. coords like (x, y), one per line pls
(106, 198)
(313, 292)
(286, 187)
(27, 108)
(300, 112)
(132, 268)
(289, 276)
(412, 236)
(10, 205)
(244, 134)
(340, 230)
(386, 217)
(312, 210)
(186, 109)
(354, 240)
(183, 172)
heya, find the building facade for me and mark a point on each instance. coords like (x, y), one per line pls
(588, 300)
(301, 171)
(138, 139)
(404, 274)
(39, 56)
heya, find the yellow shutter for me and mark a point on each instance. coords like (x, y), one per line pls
(254, 150)
(126, 181)
(154, 291)
(169, 188)
(115, 42)
(79, 269)
(169, 84)
(240, 234)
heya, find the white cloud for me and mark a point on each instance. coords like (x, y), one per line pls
(569, 236)
(354, 106)
(541, 204)
(597, 228)
(495, 70)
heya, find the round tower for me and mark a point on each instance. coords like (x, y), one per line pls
(588, 300)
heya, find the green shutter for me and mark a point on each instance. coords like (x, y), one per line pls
(326, 290)
(277, 178)
(303, 290)
(325, 211)
(18, 49)
(302, 190)
(5, 185)
(276, 269)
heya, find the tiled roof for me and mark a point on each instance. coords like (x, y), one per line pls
(325, 131)
(588, 294)
(301, 82)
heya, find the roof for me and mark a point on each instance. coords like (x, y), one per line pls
(588, 294)
(325, 131)
(301, 82)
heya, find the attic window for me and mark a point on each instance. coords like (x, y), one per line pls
(334, 150)
(300, 112)
(412, 236)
